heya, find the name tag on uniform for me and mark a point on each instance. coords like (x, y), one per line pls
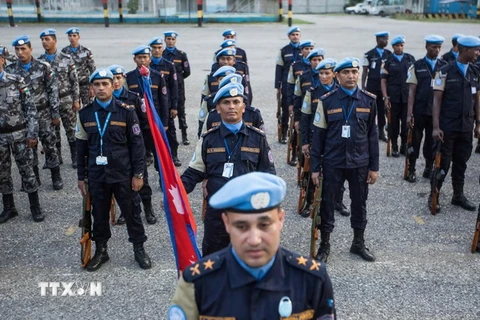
(474, 90)
(346, 132)
(227, 170)
(374, 64)
(101, 161)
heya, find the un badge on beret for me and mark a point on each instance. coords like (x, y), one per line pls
(354, 64)
(102, 73)
(20, 42)
(147, 50)
(328, 66)
(438, 82)
(260, 200)
(119, 70)
(233, 92)
(46, 33)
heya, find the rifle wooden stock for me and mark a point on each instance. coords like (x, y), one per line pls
(204, 208)
(86, 225)
(436, 173)
(279, 118)
(408, 153)
(112, 211)
(476, 234)
(299, 156)
(315, 215)
(304, 184)
(290, 148)
(389, 142)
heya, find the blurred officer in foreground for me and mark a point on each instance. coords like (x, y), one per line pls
(68, 90)
(420, 100)
(18, 135)
(254, 277)
(372, 64)
(345, 146)
(452, 55)
(45, 96)
(228, 150)
(456, 108)
(109, 137)
(84, 62)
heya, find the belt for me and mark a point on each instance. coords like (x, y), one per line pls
(13, 129)
(42, 107)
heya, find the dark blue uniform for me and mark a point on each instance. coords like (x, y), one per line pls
(251, 117)
(297, 69)
(124, 149)
(449, 57)
(345, 158)
(308, 80)
(249, 152)
(217, 286)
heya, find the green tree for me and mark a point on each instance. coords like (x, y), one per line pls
(132, 6)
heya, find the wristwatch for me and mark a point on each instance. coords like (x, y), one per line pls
(138, 175)
(385, 98)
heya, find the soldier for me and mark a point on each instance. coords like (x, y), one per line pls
(253, 278)
(345, 145)
(226, 151)
(84, 62)
(240, 54)
(456, 107)
(167, 69)
(179, 58)
(395, 93)
(8, 57)
(68, 90)
(45, 96)
(372, 64)
(133, 99)
(452, 55)
(420, 100)
(287, 55)
(109, 137)
(18, 135)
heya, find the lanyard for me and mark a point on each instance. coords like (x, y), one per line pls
(347, 117)
(229, 153)
(101, 131)
(315, 81)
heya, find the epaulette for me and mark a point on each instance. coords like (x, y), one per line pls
(127, 106)
(255, 129)
(45, 63)
(136, 94)
(65, 54)
(13, 77)
(203, 267)
(209, 97)
(371, 95)
(305, 264)
(328, 94)
(209, 131)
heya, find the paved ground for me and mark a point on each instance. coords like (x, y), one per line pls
(424, 268)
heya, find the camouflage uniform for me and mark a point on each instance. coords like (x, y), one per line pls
(85, 67)
(68, 92)
(17, 124)
(45, 96)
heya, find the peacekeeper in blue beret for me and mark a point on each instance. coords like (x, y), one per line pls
(395, 93)
(110, 139)
(227, 44)
(254, 277)
(84, 63)
(226, 151)
(182, 66)
(452, 54)
(455, 114)
(345, 147)
(240, 54)
(371, 79)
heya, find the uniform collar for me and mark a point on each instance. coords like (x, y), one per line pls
(225, 132)
(343, 94)
(111, 108)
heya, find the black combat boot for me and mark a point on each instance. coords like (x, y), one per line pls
(59, 151)
(293, 160)
(324, 249)
(477, 149)
(149, 215)
(37, 175)
(283, 139)
(459, 198)
(120, 220)
(381, 134)
(9, 210)
(358, 246)
(56, 178)
(99, 258)
(412, 177)
(73, 154)
(141, 256)
(175, 159)
(185, 138)
(427, 172)
(339, 206)
(395, 153)
(35, 208)
(403, 149)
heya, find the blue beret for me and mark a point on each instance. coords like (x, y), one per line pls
(48, 32)
(253, 192)
(456, 36)
(307, 43)
(228, 43)
(397, 40)
(142, 50)
(293, 29)
(20, 41)
(101, 74)
(434, 39)
(226, 52)
(156, 40)
(170, 34)
(229, 90)
(347, 63)
(223, 71)
(327, 64)
(230, 78)
(116, 69)
(382, 34)
(73, 30)
(316, 53)
(469, 41)
(229, 32)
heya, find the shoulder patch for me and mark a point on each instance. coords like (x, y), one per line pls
(255, 129)
(202, 267)
(328, 94)
(209, 131)
(306, 264)
(371, 95)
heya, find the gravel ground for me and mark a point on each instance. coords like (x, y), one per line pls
(424, 269)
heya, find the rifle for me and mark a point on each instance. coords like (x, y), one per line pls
(112, 211)
(438, 176)
(300, 156)
(408, 153)
(476, 234)
(389, 142)
(315, 215)
(304, 184)
(279, 117)
(204, 208)
(290, 142)
(85, 224)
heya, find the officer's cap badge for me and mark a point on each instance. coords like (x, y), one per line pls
(354, 64)
(102, 73)
(260, 200)
(233, 92)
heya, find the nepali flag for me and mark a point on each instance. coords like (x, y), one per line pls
(181, 222)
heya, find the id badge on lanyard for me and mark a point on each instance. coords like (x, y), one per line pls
(346, 126)
(101, 160)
